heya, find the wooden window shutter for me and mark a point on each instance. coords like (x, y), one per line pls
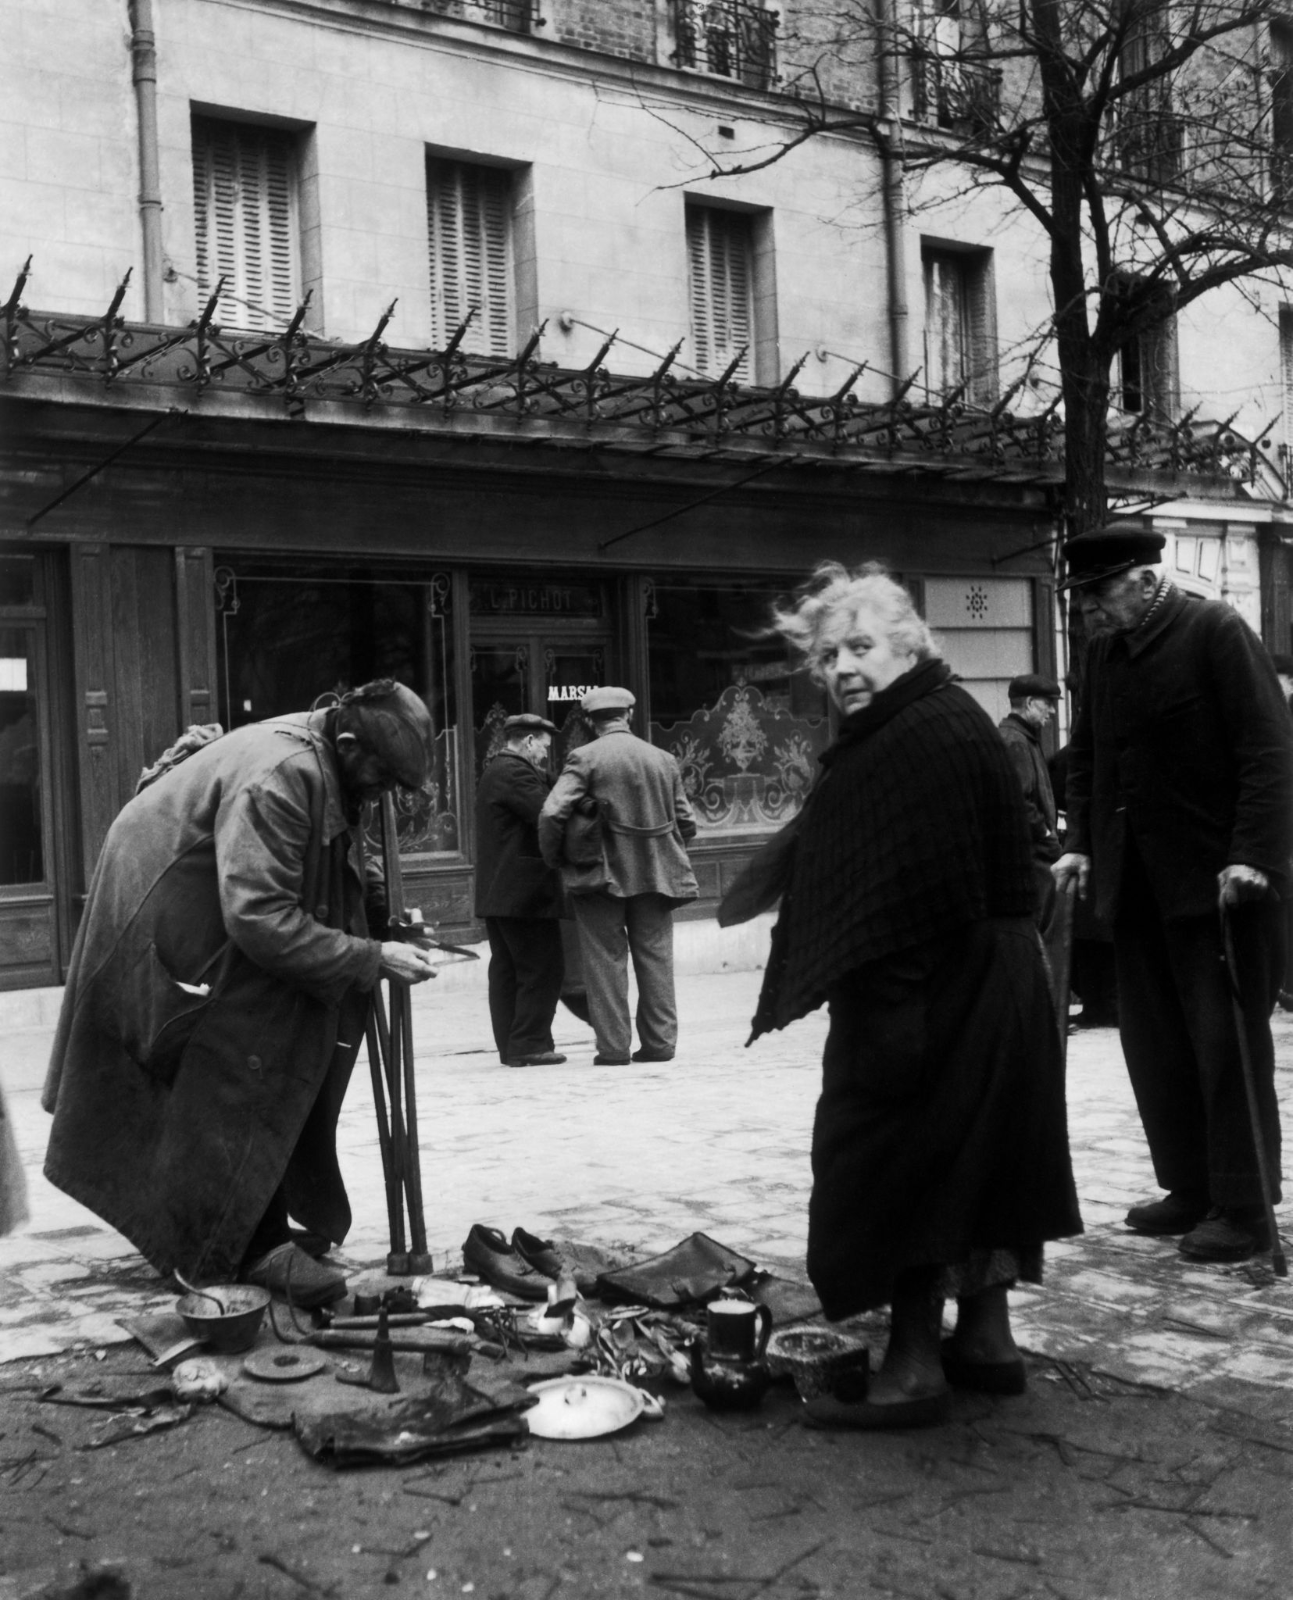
(469, 215)
(720, 257)
(946, 324)
(244, 197)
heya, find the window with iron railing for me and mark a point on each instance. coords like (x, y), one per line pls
(1280, 79)
(517, 16)
(1148, 133)
(953, 94)
(729, 38)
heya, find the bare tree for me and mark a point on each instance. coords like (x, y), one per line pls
(1149, 141)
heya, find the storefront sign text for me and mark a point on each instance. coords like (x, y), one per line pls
(526, 599)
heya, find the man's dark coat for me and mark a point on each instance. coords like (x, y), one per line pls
(1183, 738)
(177, 1114)
(1025, 746)
(512, 879)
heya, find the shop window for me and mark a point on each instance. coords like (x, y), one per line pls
(22, 848)
(720, 256)
(960, 324)
(287, 639)
(745, 726)
(245, 220)
(469, 225)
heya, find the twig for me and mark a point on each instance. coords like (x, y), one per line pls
(1027, 1558)
(1202, 1533)
(430, 1494)
(47, 1433)
(279, 1565)
(640, 1495)
(68, 1530)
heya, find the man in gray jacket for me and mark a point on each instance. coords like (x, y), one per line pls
(623, 898)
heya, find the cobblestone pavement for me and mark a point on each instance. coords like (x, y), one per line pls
(716, 1140)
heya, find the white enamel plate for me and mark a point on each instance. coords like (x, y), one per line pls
(583, 1408)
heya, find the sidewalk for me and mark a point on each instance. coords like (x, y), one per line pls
(717, 1140)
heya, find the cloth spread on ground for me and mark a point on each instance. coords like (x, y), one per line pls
(693, 1271)
(917, 827)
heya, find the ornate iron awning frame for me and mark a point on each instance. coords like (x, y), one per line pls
(659, 413)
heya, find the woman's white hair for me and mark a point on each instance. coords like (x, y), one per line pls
(834, 590)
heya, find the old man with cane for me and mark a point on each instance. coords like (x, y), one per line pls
(220, 986)
(1180, 810)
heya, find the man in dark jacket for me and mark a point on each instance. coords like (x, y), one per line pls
(1033, 699)
(218, 991)
(1180, 805)
(519, 896)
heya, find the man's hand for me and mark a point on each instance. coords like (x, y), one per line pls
(1237, 884)
(1072, 865)
(405, 963)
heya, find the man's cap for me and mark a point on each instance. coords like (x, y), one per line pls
(597, 702)
(529, 722)
(1033, 686)
(1105, 552)
(396, 726)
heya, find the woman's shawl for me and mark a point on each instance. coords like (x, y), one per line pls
(916, 827)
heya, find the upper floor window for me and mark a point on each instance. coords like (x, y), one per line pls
(1149, 133)
(1146, 375)
(720, 261)
(1281, 82)
(948, 87)
(469, 233)
(960, 324)
(730, 38)
(245, 220)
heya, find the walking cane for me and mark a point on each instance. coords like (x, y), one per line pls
(1278, 1263)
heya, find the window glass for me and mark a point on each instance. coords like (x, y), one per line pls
(746, 727)
(22, 855)
(286, 639)
(17, 580)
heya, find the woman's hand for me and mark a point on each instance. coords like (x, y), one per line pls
(405, 963)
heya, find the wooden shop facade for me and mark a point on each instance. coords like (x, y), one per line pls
(200, 528)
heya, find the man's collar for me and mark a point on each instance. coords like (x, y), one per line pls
(1165, 607)
(1033, 733)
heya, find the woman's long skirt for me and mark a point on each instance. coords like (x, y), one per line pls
(941, 1133)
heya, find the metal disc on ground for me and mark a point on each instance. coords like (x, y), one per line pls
(583, 1408)
(283, 1366)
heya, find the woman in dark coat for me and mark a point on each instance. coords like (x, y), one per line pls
(940, 1147)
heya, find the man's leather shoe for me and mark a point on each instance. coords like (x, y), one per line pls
(652, 1055)
(487, 1253)
(540, 1253)
(541, 1058)
(610, 1061)
(1177, 1212)
(1232, 1235)
(288, 1270)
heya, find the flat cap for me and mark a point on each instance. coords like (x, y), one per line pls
(599, 701)
(529, 722)
(1033, 686)
(1105, 552)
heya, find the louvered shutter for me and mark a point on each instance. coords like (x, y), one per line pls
(720, 257)
(469, 213)
(244, 197)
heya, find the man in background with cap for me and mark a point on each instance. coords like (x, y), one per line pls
(219, 989)
(623, 901)
(1032, 705)
(519, 895)
(1180, 806)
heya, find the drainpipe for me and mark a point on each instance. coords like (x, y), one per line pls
(143, 51)
(894, 193)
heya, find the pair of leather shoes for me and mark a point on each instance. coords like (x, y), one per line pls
(1177, 1212)
(1228, 1235)
(487, 1253)
(652, 1055)
(540, 1058)
(287, 1270)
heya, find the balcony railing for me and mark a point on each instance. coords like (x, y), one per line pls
(1149, 141)
(955, 94)
(517, 16)
(730, 38)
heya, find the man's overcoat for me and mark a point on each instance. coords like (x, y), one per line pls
(178, 1112)
(1024, 745)
(1182, 739)
(512, 879)
(644, 814)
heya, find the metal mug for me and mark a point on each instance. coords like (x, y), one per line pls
(738, 1330)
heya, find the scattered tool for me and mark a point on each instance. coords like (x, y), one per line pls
(1279, 1265)
(381, 1377)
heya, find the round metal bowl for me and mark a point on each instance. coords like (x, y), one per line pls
(229, 1330)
